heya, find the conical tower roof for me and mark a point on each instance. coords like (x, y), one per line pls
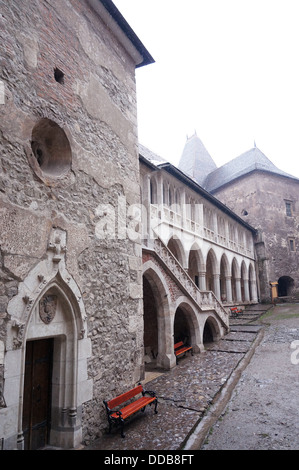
(196, 161)
(252, 160)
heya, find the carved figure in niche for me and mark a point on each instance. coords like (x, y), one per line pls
(47, 308)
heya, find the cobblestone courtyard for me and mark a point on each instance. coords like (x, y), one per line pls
(194, 411)
(263, 411)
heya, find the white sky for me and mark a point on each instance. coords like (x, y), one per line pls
(227, 69)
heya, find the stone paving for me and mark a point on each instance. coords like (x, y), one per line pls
(185, 394)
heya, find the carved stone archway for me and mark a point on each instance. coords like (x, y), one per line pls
(49, 305)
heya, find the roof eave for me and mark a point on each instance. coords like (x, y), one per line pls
(255, 170)
(147, 162)
(123, 31)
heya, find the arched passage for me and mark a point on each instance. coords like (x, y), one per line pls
(158, 337)
(176, 248)
(150, 316)
(285, 286)
(196, 267)
(186, 326)
(182, 327)
(211, 331)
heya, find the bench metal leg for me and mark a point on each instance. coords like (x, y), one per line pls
(122, 424)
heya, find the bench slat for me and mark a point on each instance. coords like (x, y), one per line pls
(124, 397)
(178, 345)
(133, 407)
(115, 416)
(181, 351)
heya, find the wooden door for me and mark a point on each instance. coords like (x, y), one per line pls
(37, 393)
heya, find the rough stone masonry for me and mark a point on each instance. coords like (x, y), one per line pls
(68, 145)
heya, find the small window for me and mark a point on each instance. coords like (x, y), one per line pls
(292, 244)
(59, 76)
(288, 208)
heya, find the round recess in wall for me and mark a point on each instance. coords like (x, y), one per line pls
(51, 156)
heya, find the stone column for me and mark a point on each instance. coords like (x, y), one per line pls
(202, 281)
(146, 212)
(253, 291)
(238, 290)
(228, 281)
(216, 283)
(246, 290)
(159, 189)
(183, 208)
(166, 357)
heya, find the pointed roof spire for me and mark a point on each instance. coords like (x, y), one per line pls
(196, 161)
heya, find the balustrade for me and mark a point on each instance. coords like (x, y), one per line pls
(163, 213)
(206, 300)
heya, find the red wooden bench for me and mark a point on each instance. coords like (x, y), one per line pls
(117, 415)
(180, 348)
(235, 311)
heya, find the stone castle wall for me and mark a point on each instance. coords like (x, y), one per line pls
(260, 199)
(68, 147)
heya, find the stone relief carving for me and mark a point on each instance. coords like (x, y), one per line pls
(47, 308)
(49, 272)
(57, 245)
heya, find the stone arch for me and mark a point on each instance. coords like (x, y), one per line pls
(155, 279)
(49, 305)
(153, 190)
(211, 330)
(286, 286)
(176, 247)
(196, 266)
(66, 327)
(212, 273)
(186, 325)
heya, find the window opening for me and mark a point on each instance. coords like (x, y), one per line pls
(288, 209)
(59, 76)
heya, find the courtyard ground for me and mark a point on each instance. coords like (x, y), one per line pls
(263, 411)
(242, 393)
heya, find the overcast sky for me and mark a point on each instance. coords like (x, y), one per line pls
(227, 69)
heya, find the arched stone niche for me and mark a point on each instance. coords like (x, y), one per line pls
(49, 305)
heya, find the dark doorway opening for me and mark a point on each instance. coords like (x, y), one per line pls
(285, 286)
(37, 393)
(181, 328)
(208, 334)
(150, 323)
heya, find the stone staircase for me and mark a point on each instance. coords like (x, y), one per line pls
(250, 314)
(205, 300)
